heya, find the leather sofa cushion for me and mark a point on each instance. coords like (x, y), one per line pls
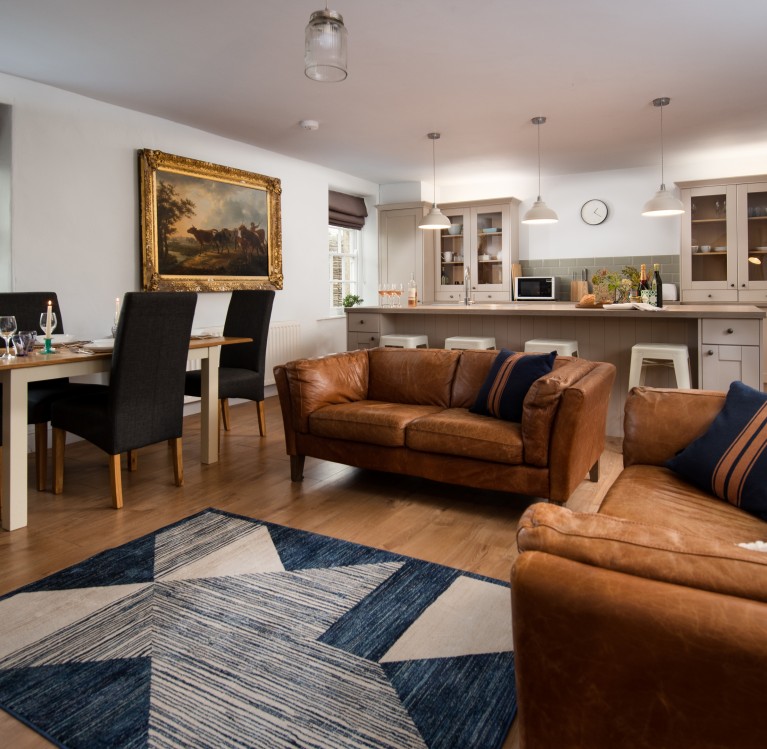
(654, 494)
(368, 421)
(416, 376)
(455, 431)
(656, 551)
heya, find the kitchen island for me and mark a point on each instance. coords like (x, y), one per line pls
(725, 341)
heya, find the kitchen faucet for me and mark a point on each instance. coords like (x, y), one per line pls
(466, 285)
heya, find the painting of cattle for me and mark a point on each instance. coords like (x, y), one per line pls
(207, 227)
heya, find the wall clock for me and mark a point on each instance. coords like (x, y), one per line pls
(594, 211)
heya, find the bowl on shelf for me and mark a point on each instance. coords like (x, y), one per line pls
(705, 248)
(720, 249)
(483, 258)
(455, 229)
(695, 248)
(490, 230)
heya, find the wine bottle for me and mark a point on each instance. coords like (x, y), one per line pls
(643, 283)
(412, 292)
(657, 285)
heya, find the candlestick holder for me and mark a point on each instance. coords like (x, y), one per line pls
(47, 348)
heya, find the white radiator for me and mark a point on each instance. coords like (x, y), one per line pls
(283, 345)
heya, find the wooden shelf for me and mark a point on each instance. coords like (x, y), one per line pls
(709, 221)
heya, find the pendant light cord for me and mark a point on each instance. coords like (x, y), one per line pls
(662, 179)
(434, 167)
(538, 126)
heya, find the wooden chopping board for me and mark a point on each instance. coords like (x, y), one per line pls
(578, 289)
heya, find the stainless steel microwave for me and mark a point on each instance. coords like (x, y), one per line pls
(535, 288)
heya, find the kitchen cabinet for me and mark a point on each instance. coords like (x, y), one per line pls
(363, 330)
(730, 350)
(483, 238)
(404, 249)
(724, 241)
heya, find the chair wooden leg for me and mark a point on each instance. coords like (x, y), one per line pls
(224, 405)
(59, 440)
(261, 418)
(41, 455)
(297, 467)
(132, 460)
(115, 481)
(178, 462)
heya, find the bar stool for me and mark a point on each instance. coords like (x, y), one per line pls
(469, 342)
(404, 341)
(545, 345)
(674, 355)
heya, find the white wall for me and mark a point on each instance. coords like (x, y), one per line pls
(75, 220)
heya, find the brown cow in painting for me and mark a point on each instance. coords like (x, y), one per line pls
(204, 236)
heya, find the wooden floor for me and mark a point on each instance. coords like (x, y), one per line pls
(463, 528)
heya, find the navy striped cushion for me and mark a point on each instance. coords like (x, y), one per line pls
(730, 459)
(508, 381)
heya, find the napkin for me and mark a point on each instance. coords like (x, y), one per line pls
(633, 305)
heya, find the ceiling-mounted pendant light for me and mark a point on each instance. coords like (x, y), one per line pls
(325, 47)
(664, 203)
(434, 219)
(540, 213)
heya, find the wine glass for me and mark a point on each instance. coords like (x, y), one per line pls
(54, 321)
(7, 329)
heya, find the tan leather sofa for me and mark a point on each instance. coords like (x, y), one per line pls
(644, 625)
(406, 411)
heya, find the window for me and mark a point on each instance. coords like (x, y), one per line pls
(343, 264)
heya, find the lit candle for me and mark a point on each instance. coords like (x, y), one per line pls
(117, 310)
(48, 314)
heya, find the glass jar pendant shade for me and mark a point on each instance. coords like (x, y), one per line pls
(540, 213)
(325, 47)
(434, 219)
(663, 203)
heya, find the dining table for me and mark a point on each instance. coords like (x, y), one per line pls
(70, 361)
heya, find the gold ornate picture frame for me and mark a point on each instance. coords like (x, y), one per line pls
(206, 227)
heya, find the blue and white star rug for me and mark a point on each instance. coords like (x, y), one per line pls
(222, 631)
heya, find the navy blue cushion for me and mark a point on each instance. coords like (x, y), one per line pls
(508, 381)
(730, 459)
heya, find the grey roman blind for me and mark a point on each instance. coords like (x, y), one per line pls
(347, 211)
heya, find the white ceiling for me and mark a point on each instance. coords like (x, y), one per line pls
(476, 73)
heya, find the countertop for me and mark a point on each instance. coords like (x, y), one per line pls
(554, 309)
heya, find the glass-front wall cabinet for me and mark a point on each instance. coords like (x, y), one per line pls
(724, 243)
(478, 243)
(753, 225)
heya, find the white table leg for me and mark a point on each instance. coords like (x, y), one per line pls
(209, 406)
(14, 484)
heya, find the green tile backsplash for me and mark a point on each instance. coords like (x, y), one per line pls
(569, 269)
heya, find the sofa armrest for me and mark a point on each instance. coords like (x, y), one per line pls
(324, 381)
(605, 659)
(659, 422)
(643, 550)
(578, 430)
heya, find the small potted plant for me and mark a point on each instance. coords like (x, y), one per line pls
(351, 299)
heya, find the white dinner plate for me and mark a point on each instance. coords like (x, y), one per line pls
(57, 339)
(102, 344)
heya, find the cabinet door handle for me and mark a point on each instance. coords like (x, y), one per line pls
(709, 353)
(362, 322)
(710, 296)
(743, 286)
(732, 285)
(729, 331)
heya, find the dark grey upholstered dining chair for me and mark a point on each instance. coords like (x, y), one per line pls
(242, 367)
(144, 401)
(26, 307)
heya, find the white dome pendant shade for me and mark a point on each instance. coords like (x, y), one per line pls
(434, 219)
(664, 203)
(540, 213)
(325, 47)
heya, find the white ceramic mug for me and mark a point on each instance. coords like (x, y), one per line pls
(447, 256)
